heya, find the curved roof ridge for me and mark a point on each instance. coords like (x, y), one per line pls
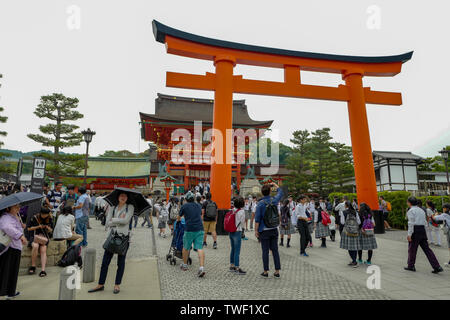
(160, 31)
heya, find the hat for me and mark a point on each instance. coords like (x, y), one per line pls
(189, 196)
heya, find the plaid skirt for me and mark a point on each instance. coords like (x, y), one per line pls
(322, 231)
(287, 230)
(350, 243)
(368, 242)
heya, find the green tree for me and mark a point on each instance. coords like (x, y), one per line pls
(342, 164)
(118, 154)
(322, 161)
(4, 167)
(299, 162)
(59, 134)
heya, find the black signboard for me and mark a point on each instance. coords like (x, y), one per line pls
(38, 175)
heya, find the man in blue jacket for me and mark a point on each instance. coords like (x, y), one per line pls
(268, 236)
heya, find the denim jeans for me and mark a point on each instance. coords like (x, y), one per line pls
(235, 240)
(107, 256)
(81, 228)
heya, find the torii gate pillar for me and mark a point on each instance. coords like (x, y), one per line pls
(222, 120)
(366, 186)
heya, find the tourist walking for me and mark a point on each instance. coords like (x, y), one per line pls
(332, 227)
(266, 210)
(253, 205)
(339, 209)
(445, 217)
(11, 227)
(147, 214)
(235, 237)
(321, 221)
(434, 228)
(65, 225)
(193, 234)
(385, 209)
(209, 217)
(117, 223)
(286, 226)
(82, 215)
(41, 229)
(301, 220)
(417, 237)
(163, 216)
(350, 237)
(367, 237)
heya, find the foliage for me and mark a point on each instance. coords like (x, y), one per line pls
(59, 134)
(434, 164)
(298, 162)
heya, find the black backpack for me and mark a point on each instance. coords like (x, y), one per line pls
(72, 255)
(271, 216)
(211, 209)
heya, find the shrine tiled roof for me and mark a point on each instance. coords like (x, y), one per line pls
(184, 110)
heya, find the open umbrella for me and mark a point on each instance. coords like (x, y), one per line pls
(21, 198)
(135, 198)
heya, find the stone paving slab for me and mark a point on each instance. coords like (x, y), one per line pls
(299, 280)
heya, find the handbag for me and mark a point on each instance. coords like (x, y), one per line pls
(5, 240)
(40, 239)
(369, 232)
(117, 243)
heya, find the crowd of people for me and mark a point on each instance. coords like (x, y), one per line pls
(64, 216)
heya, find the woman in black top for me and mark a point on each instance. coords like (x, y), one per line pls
(40, 224)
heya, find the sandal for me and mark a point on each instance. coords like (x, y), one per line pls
(31, 270)
(42, 274)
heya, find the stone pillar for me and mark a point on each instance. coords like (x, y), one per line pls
(67, 283)
(89, 265)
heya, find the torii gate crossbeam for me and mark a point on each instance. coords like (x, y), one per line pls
(227, 54)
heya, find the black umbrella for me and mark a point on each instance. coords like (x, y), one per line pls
(21, 198)
(135, 198)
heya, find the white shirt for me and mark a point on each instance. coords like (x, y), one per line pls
(254, 206)
(63, 228)
(240, 219)
(332, 225)
(443, 217)
(416, 217)
(341, 207)
(300, 212)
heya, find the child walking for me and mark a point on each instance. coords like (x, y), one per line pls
(163, 216)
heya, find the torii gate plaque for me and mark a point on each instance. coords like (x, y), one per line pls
(227, 54)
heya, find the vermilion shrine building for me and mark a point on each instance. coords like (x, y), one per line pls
(173, 112)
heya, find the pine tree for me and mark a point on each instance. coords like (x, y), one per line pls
(342, 164)
(322, 162)
(299, 162)
(59, 134)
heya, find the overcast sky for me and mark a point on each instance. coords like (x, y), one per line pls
(115, 67)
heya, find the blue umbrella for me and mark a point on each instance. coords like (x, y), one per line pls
(21, 198)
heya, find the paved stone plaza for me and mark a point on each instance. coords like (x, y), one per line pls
(323, 275)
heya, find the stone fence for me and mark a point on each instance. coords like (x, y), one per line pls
(55, 251)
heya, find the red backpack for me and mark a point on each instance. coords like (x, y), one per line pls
(229, 223)
(325, 218)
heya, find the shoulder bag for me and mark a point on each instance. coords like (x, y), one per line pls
(117, 242)
(40, 239)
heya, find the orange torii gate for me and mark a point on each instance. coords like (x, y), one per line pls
(227, 54)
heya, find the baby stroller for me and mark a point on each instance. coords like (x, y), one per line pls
(176, 247)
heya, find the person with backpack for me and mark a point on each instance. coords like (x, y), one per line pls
(209, 217)
(286, 227)
(433, 227)
(266, 227)
(70, 197)
(417, 236)
(234, 223)
(444, 217)
(351, 232)
(64, 229)
(321, 222)
(367, 237)
(193, 235)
